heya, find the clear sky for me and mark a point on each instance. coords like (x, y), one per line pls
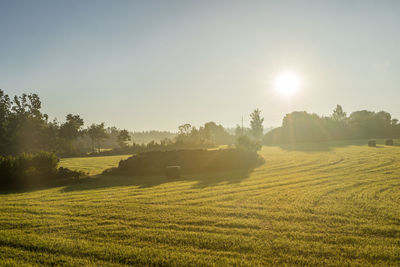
(146, 65)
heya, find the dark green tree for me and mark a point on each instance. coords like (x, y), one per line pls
(71, 129)
(27, 127)
(97, 132)
(5, 106)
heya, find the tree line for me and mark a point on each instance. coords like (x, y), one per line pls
(30, 143)
(145, 137)
(24, 128)
(306, 127)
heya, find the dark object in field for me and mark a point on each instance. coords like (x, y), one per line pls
(189, 161)
(372, 143)
(389, 142)
(173, 171)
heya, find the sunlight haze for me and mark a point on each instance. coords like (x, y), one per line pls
(287, 83)
(145, 65)
(199, 133)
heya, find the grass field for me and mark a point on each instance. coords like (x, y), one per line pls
(327, 204)
(92, 165)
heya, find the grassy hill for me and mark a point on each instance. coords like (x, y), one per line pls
(326, 204)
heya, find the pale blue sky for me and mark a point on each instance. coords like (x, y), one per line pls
(146, 65)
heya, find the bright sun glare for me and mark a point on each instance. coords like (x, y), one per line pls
(287, 83)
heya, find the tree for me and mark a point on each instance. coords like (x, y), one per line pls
(97, 133)
(185, 129)
(256, 124)
(27, 126)
(184, 132)
(216, 134)
(123, 137)
(339, 114)
(71, 128)
(5, 105)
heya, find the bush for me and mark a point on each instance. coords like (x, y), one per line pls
(247, 144)
(27, 170)
(190, 161)
(65, 173)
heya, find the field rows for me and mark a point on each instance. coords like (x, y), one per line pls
(337, 207)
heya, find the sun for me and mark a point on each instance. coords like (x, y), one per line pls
(287, 83)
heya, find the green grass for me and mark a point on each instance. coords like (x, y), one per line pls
(92, 165)
(337, 206)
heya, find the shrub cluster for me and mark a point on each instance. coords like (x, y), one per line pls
(190, 161)
(246, 143)
(27, 170)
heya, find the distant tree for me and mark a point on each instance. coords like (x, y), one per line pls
(184, 132)
(216, 134)
(70, 130)
(395, 128)
(166, 142)
(147, 136)
(239, 131)
(123, 137)
(112, 138)
(369, 124)
(306, 127)
(211, 134)
(27, 127)
(339, 114)
(29, 105)
(151, 145)
(97, 133)
(185, 129)
(256, 124)
(5, 106)
(301, 126)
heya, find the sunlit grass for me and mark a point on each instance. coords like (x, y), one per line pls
(92, 165)
(322, 206)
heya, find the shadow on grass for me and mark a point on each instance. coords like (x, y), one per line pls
(201, 180)
(53, 184)
(328, 146)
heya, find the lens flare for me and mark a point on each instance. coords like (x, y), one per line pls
(287, 83)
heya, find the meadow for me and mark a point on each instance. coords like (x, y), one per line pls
(327, 204)
(92, 165)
